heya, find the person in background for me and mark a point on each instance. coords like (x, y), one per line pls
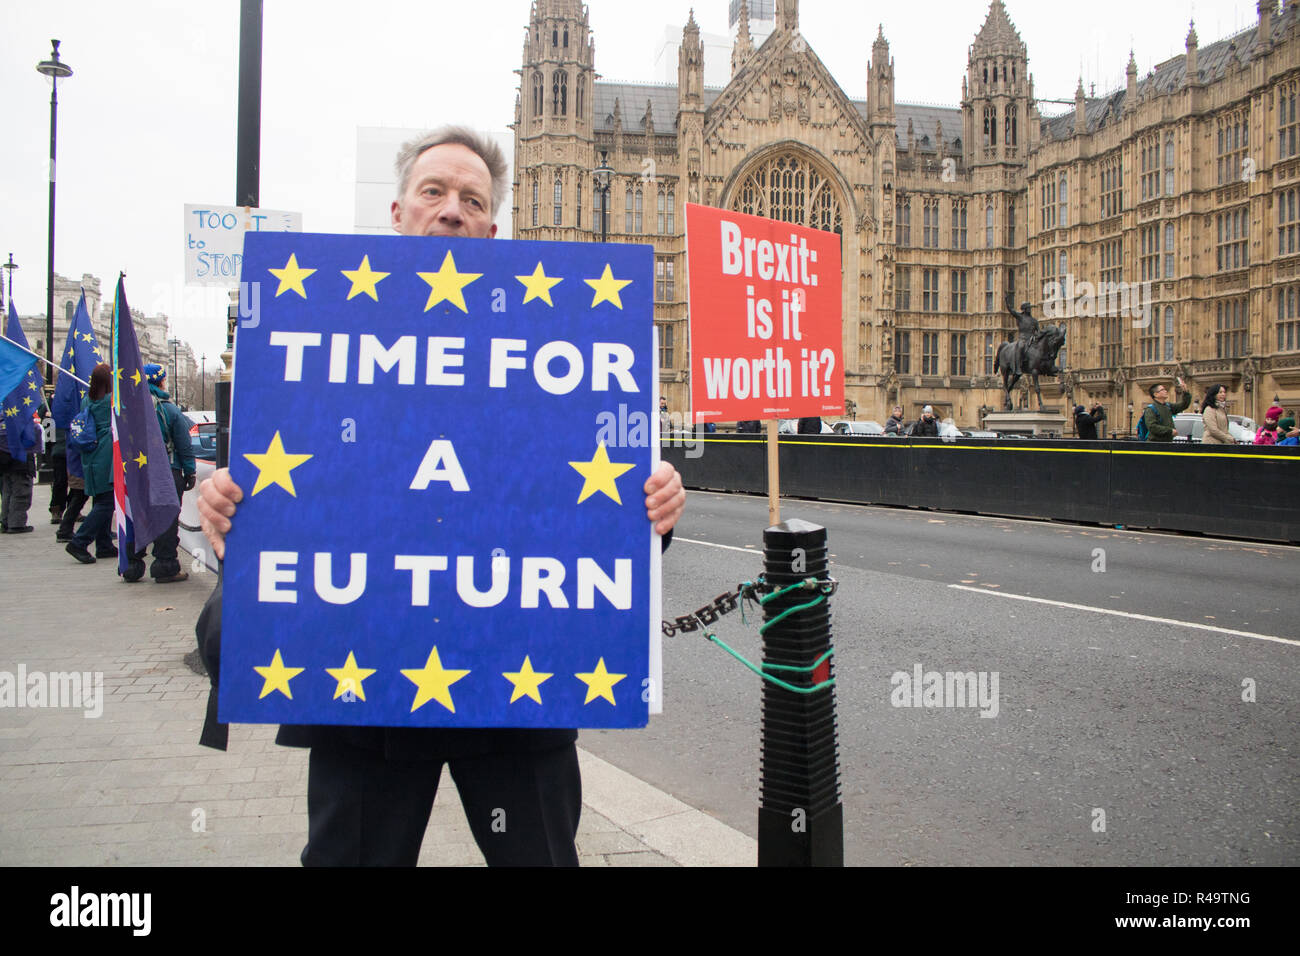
(1214, 413)
(1159, 415)
(894, 426)
(810, 426)
(927, 426)
(97, 467)
(1267, 434)
(1085, 422)
(59, 459)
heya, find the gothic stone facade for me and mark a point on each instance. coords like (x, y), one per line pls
(1160, 222)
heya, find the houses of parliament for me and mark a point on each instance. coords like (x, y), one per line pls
(1160, 222)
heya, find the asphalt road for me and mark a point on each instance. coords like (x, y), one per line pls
(1117, 740)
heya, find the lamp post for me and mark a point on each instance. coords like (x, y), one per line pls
(203, 384)
(176, 370)
(9, 267)
(1130, 418)
(56, 70)
(602, 174)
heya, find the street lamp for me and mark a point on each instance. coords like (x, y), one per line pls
(56, 70)
(9, 267)
(1130, 418)
(203, 384)
(602, 174)
(176, 370)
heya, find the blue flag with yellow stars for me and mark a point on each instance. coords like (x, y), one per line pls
(81, 353)
(143, 488)
(442, 445)
(18, 406)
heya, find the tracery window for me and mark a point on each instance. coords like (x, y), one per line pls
(791, 189)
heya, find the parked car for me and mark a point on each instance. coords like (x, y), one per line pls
(1189, 426)
(790, 426)
(199, 417)
(858, 428)
(978, 433)
(203, 439)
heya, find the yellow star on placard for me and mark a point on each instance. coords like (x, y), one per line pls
(600, 683)
(607, 288)
(539, 285)
(274, 466)
(447, 284)
(277, 677)
(350, 677)
(433, 682)
(291, 276)
(599, 475)
(140, 459)
(526, 681)
(364, 279)
(135, 377)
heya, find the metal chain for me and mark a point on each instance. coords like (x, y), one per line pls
(726, 603)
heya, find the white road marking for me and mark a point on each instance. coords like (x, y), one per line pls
(1128, 614)
(728, 547)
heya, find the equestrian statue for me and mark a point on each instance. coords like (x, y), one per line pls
(1033, 352)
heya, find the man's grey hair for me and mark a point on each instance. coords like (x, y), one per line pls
(483, 145)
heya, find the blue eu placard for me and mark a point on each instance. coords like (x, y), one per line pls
(442, 445)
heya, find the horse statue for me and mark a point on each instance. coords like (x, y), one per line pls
(1037, 358)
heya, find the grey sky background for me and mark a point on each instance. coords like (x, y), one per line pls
(147, 122)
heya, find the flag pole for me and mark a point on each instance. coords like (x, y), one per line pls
(61, 371)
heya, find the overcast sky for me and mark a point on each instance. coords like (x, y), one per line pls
(147, 121)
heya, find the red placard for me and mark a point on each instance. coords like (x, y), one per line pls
(765, 317)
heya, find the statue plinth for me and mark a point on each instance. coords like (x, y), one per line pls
(1040, 423)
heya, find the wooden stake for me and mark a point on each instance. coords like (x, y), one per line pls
(773, 474)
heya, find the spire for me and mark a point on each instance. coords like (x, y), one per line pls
(1131, 99)
(998, 33)
(880, 49)
(787, 15)
(1192, 73)
(744, 44)
(1080, 109)
(1266, 9)
(1191, 33)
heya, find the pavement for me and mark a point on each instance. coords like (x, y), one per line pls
(130, 785)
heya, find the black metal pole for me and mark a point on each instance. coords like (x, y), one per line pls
(49, 274)
(249, 134)
(800, 817)
(248, 152)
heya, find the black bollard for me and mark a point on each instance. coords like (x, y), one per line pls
(800, 818)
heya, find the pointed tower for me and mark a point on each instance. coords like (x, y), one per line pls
(1080, 109)
(1131, 94)
(998, 108)
(554, 139)
(690, 112)
(1192, 74)
(744, 44)
(880, 82)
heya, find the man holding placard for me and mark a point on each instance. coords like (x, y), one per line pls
(371, 788)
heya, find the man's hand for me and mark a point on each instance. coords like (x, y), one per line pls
(1181, 386)
(218, 496)
(665, 498)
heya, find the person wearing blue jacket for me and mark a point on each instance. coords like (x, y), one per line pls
(166, 567)
(97, 468)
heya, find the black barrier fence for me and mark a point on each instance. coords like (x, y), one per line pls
(1242, 491)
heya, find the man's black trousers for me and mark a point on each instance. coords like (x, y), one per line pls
(366, 810)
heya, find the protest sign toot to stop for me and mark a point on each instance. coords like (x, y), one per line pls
(765, 315)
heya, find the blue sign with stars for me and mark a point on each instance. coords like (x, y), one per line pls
(442, 445)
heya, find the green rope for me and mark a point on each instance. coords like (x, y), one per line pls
(781, 667)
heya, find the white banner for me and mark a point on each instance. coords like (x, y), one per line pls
(214, 239)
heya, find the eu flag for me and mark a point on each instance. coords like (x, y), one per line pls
(20, 403)
(143, 488)
(81, 354)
